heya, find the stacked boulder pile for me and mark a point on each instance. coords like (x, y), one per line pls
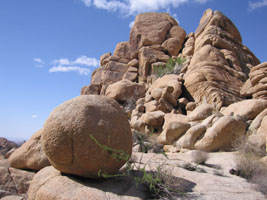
(191, 107)
(216, 95)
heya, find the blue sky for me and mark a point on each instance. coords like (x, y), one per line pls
(48, 48)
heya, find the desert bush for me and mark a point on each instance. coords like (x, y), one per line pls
(160, 184)
(173, 66)
(199, 157)
(248, 164)
(148, 143)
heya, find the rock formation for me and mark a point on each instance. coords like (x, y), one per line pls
(30, 155)
(87, 136)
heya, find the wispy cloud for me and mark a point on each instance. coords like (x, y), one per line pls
(79, 65)
(133, 7)
(34, 116)
(258, 4)
(38, 62)
(80, 70)
(131, 24)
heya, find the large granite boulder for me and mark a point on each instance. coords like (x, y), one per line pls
(150, 29)
(125, 91)
(222, 134)
(87, 136)
(247, 109)
(30, 155)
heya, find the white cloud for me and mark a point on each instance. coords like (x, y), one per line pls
(133, 7)
(34, 116)
(84, 60)
(131, 24)
(80, 70)
(254, 5)
(38, 62)
(79, 65)
(62, 61)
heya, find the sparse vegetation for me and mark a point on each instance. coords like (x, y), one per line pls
(248, 164)
(173, 66)
(191, 167)
(148, 143)
(160, 183)
(199, 157)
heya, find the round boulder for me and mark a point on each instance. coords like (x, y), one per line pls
(87, 136)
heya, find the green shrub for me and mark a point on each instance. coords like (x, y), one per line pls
(173, 66)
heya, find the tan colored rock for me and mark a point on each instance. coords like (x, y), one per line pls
(122, 50)
(6, 146)
(178, 33)
(222, 134)
(207, 15)
(201, 112)
(172, 131)
(13, 197)
(175, 125)
(172, 46)
(15, 181)
(155, 118)
(191, 136)
(247, 89)
(91, 89)
(191, 106)
(189, 46)
(220, 64)
(125, 91)
(258, 139)
(165, 106)
(256, 123)
(247, 109)
(133, 63)
(149, 29)
(50, 184)
(166, 81)
(156, 93)
(151, 106)
(73, 130)
(103, 59)
(131, 76)
(147, 56)
(30, 155)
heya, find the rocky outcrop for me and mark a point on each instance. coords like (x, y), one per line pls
(87, 136)
(220, 63)
(155, 37)
(126, 91)
(49, 183)
(6, 146)
(248, 109)
(221, 135)
(258, 80)
(30, 155)
(13, 181)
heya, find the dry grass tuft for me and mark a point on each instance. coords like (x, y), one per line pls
(199, 157)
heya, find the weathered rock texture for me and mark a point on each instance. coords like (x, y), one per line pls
(6, 146)
(30, 155)
(87, 136)
(13, 181)
(155, 37)
(49, 183)
(220, 63)
(258, 81)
